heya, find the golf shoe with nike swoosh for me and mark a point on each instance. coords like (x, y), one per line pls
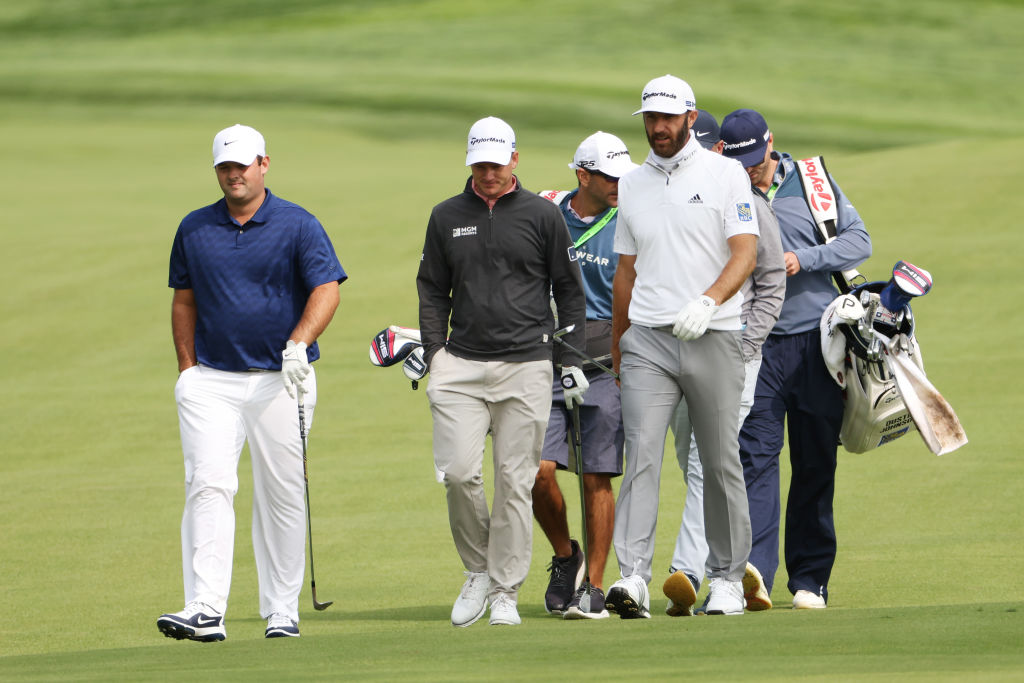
(198, 621)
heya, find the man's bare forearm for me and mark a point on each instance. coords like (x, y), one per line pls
(183, 327)
(737, 269)
(320, 307)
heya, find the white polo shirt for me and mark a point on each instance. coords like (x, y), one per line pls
(676, 224)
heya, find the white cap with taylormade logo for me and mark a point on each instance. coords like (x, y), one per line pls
(491, 140)
(605, 153)
(240, 144)
(667, 95)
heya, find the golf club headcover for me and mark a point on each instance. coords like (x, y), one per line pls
(393, 344)
(908, 281)
(414, 367)
(844, 310)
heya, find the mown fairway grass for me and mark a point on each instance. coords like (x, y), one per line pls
(106, 113)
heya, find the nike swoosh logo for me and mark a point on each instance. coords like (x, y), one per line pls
(700, 135)
(230, 142)
(205, 621)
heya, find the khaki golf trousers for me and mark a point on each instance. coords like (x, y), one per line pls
(511, 400)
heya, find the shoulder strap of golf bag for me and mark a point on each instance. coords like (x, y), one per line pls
(823, 202)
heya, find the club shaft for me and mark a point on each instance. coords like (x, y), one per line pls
(309, 518)
(576, 439)
(583, 355)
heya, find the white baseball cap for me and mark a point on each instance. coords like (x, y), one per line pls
(240, 144)
(605, 153)
(667, 95)
(491, 140)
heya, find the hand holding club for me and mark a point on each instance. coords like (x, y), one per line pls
(294, 367)
(574, 385)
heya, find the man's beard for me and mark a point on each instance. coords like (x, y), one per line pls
(677, 143)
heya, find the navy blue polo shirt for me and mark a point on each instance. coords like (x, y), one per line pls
(251, 282)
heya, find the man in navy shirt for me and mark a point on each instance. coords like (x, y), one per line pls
(255, 282)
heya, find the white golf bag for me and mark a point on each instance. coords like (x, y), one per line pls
(871, 351)
(875, 412)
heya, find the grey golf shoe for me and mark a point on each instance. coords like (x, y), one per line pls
(586, 605)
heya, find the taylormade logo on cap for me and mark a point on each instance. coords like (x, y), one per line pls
(491, 140)
(746, 143)
(239, 144)
(746, 134)
(605, 153)
(667, 95)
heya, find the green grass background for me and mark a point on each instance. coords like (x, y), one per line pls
(107, 108)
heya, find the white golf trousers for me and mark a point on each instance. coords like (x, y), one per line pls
(218, 412)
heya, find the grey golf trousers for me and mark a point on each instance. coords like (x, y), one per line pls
(656, 370)
(513, 401)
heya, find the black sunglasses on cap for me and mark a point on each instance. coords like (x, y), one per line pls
(609, 178)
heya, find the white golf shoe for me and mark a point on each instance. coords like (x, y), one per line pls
(808, 600)
(503, 611)
(724, 596)
(628, 597)
(472, 601)
(281, 626)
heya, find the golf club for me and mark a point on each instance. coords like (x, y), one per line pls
(566, 330)
(576, 443)
(319, 606)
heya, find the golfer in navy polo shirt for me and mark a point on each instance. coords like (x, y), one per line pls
(255, 282)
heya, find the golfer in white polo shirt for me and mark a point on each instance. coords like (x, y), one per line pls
(687, 240)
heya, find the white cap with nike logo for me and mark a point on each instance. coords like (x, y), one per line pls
(240, 144)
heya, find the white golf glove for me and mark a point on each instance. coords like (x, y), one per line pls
(574, 385)
(294, 367)
(692, 321)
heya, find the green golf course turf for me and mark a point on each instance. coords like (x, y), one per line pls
(107, 110)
